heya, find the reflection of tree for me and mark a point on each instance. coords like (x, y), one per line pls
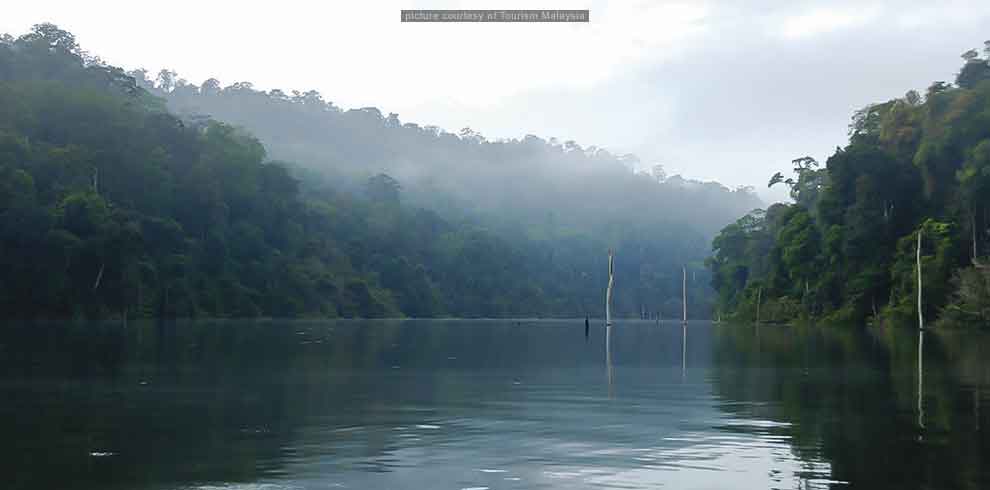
(238, 401)
(850, 399)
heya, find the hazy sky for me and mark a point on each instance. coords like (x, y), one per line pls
(724, 90)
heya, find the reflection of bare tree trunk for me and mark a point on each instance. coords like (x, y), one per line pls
(976, 396)
(608, 361)
(976, 404)
(921, 412)
(683, 351)
(978, 391)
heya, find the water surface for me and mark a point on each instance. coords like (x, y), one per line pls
(488, 404)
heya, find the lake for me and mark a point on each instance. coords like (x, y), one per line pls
(493, 404)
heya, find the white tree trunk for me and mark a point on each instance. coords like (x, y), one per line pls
(921, 318)
(684, 291)
(608, 292)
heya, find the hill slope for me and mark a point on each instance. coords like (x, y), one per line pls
(846, 249)
(112, 205)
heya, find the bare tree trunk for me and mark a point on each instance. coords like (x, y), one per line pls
(921, 319)
(684, 291)
(974, 235)
(759, 297)
(99, 276)
(608, 292)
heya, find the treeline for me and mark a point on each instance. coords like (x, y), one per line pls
(110, 205)
(537, 187)
(845, 250)
(556, 202)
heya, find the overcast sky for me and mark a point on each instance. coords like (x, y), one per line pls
(721, 90)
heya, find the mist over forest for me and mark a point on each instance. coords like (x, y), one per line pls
(131, 195)
(548, 186)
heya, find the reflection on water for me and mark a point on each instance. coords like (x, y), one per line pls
(609, 368)
(487, 404)
(683, 351)
(921, 382)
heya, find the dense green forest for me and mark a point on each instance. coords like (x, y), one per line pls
(845, 249)
(111, 204)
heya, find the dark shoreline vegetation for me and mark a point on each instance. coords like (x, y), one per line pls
(126, 197)
(845, 250)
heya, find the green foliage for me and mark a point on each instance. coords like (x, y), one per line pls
(846, 249)
(939, 259)
(550, 208)
(112, 206)
(970, 305)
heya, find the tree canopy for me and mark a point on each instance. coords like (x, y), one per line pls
(112, 204)
(845, 248)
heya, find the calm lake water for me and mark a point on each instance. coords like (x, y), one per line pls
(489, 405)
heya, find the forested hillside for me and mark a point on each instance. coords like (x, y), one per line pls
(111, 205)
(542, 188)
(557, 202)
(845, 250)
